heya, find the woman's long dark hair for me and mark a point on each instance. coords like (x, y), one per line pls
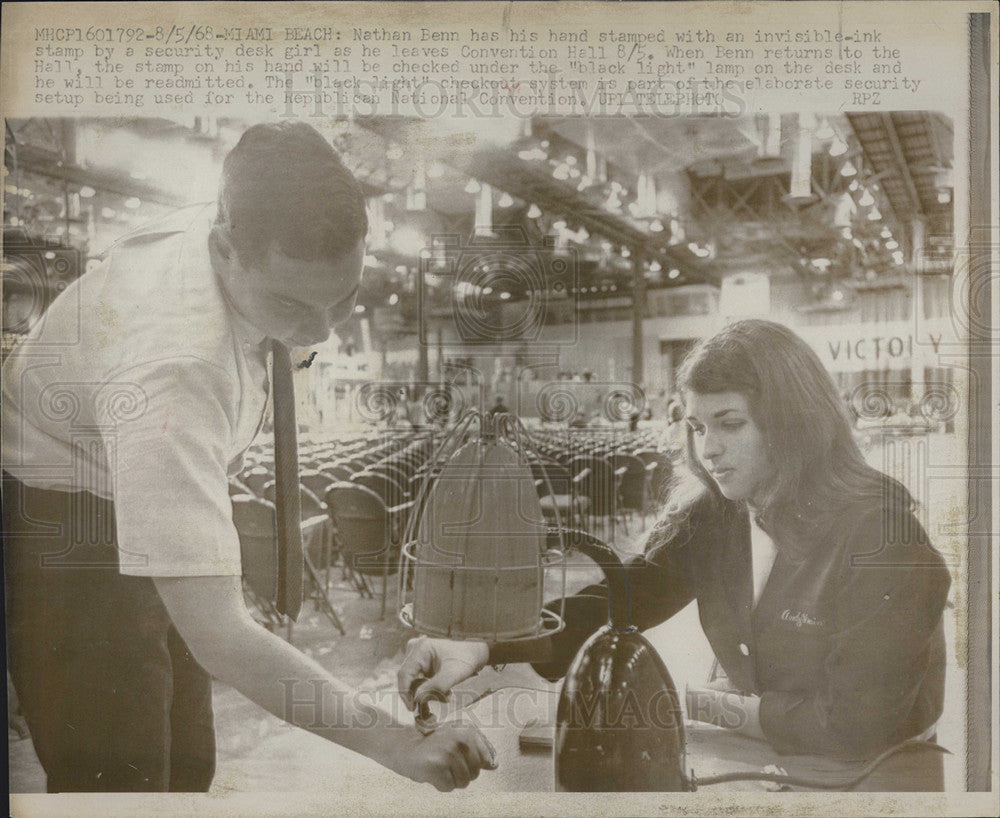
(818, 470)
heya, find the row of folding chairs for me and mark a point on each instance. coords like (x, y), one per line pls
(355, 509)
(600, 483)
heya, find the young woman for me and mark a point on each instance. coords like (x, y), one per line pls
(816, 585)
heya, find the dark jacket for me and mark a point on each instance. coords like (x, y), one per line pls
(846, 645)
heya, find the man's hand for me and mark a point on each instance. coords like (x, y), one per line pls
(449, 758)
(211, 617)
(442, 663)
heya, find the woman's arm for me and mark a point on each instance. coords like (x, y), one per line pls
(659, 586)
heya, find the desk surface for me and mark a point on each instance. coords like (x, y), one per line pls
(290, 760)
(710, 751)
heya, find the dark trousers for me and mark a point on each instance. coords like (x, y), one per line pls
(112, 696)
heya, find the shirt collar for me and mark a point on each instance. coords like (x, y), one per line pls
(245, 331)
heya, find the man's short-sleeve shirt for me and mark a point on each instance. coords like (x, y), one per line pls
(142, 385)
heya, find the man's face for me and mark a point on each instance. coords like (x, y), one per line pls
(294, 301)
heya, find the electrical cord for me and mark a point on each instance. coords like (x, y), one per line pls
(815, 783)
(693, 782)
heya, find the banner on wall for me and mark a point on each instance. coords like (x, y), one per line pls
(889, 345)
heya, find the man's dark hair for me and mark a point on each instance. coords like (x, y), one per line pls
(284, 183)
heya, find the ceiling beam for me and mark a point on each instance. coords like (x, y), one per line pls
(901, 164)
(870, 162)
(932, 122)
(506, 172)
(44, 163)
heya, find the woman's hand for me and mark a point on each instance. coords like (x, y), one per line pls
(442, 664)
(449, 758)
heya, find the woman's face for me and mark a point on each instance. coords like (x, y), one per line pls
(729, 444)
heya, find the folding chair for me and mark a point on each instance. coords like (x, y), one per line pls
(255, 478)
(254, 519)
(600, 486)
(369, 532)
(633, 488)
(559, 493)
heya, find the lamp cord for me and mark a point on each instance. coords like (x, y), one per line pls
(776, 778)
(816, 783)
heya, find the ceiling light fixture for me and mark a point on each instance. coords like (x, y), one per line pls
(825, 130)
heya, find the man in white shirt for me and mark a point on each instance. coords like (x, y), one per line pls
(124, 411)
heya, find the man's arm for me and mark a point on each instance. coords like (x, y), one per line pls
(174, 521)
(212, 618)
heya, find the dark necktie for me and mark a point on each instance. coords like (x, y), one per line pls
(287, 500)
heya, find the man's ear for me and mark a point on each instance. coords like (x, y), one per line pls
(221, 251)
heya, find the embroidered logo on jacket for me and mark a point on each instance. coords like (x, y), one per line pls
(800, 619)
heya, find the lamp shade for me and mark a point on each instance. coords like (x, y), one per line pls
(480, 549)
